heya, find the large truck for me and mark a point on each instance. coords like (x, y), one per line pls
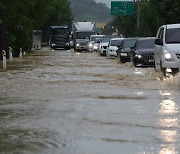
(59, 37)
(81, 34)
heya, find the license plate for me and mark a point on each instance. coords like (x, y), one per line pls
(151, 60)
(123, 54)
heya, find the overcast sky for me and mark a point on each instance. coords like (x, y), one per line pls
(108, 2)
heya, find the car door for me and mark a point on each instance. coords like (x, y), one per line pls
(159, 48)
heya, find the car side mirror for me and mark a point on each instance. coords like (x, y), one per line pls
(119, 46)
(158, 42)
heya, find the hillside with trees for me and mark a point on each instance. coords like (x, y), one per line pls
(22, 16)
(90, 10)
(152, 14)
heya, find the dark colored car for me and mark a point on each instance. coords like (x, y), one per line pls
(123, 53)
(142, 54)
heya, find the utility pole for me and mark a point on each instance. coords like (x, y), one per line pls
(138, 12)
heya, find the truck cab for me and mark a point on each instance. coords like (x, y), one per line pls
(82, 39)
(81, 34)
(59, 37)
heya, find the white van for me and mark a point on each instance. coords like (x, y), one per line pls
(167, 49)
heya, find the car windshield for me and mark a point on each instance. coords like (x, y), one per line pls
(116, 42)
(172, 35)
(94, 38)
(105, 39)
(145, 44)
(97, 40)
(129, 43)
(84, 35)
(59, 31)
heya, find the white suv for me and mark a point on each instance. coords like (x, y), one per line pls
(167, 48)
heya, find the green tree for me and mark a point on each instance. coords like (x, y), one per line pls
(22, 16)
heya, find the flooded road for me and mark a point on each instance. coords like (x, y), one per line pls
(63, 102)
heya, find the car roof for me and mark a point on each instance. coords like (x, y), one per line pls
(63, 26)
(147, 38)
(169, 26)
(117, 39)
(97, 35)
(131, 38)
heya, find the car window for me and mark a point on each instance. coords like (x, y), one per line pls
(161, 32)
(83, 35)
(172, 35)
(105, 39)
(59, 31)
(94, 38)
(116, 42)
(128, 43)
(145, 44)
(97, 40)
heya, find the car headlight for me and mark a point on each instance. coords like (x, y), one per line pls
(90, 45)
(53, 44)
(138, 56)
(67, 44)
(77, 44)
(168, 56)
(95, 47)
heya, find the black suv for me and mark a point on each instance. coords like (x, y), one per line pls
(142, 54)
(123, 53)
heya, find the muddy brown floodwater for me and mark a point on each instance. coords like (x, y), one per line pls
(64, 102)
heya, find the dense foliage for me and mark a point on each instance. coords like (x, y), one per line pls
(22, 16)
(153, 13)
(89, 10)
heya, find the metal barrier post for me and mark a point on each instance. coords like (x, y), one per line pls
(4, 60)
(24, 53)
(10, 54)
(20, 54)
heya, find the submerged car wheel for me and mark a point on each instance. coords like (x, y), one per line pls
(175, 71)
(132, 61)
(122, 60)
(163, 70)
(155, 67)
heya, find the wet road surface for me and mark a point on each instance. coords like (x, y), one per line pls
(63, 102)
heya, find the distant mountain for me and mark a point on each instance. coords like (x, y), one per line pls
(89, 10)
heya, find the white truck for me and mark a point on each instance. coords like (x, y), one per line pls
(81, 34)
(37, 39)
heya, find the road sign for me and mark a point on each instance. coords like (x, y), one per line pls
(121, 8)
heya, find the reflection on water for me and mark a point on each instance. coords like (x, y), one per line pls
(169, 123)
(139, 93)
(173, 81)
(169, 135)
(139, 71)
(168, 150)
(168, 107)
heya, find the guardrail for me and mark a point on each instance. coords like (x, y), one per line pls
(4, 55)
